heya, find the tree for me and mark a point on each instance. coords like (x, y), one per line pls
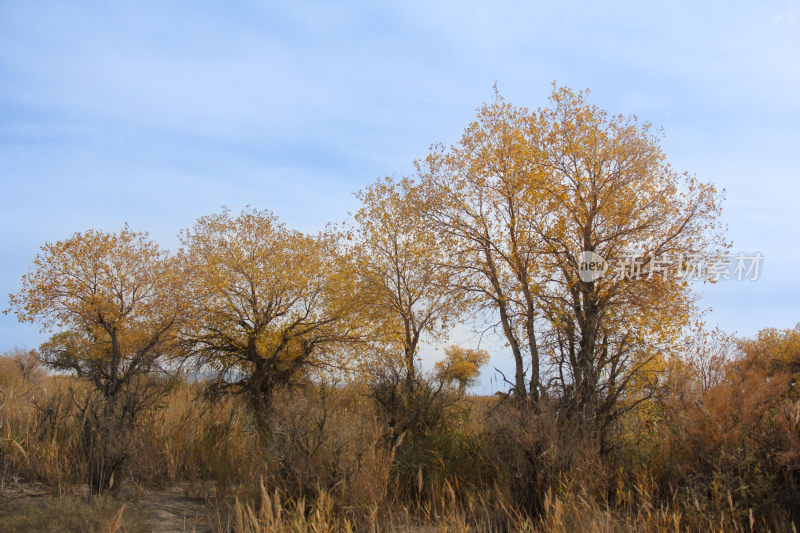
(112, 296)
(111, 299)
(267, 304)
(614, 194)
(777, 350)
(461, 365)
(526, 193)
(406, 289)
(482, 199)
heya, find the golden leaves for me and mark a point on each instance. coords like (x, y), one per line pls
(498, 220)
(461, 365)
(258, 291)
(114, 295)
(523, 193)
(406, 289)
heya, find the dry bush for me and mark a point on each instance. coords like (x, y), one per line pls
(446, 458)
(108, 425)
(410, 405)
(195, 439)
(324, 440)
(434, 443)
(704, 455)
(20, 370)
(38, 428)
(725, 449)
(322, 452)
(539, 452)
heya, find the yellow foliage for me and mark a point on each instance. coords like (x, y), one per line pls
(110, 298)
(461, 365)
(266, 303)
(406, 289)
(524, 193)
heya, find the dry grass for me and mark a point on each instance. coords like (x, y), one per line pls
(72, 514)
(719, 460)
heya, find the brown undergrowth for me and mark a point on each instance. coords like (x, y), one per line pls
(719, 455)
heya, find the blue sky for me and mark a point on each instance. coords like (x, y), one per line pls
(156, 113)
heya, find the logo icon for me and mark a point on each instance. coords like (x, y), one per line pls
(591, 266)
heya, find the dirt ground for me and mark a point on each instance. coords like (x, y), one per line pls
(170, 511)
(175, 509)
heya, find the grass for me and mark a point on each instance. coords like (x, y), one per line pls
(64, 514)
(710, 461)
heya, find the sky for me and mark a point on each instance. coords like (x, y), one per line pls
(156, 113)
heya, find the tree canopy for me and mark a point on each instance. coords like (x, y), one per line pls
(111, 300)
(407, 291)
(497, 224)
(524, 193)
(266, 303)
